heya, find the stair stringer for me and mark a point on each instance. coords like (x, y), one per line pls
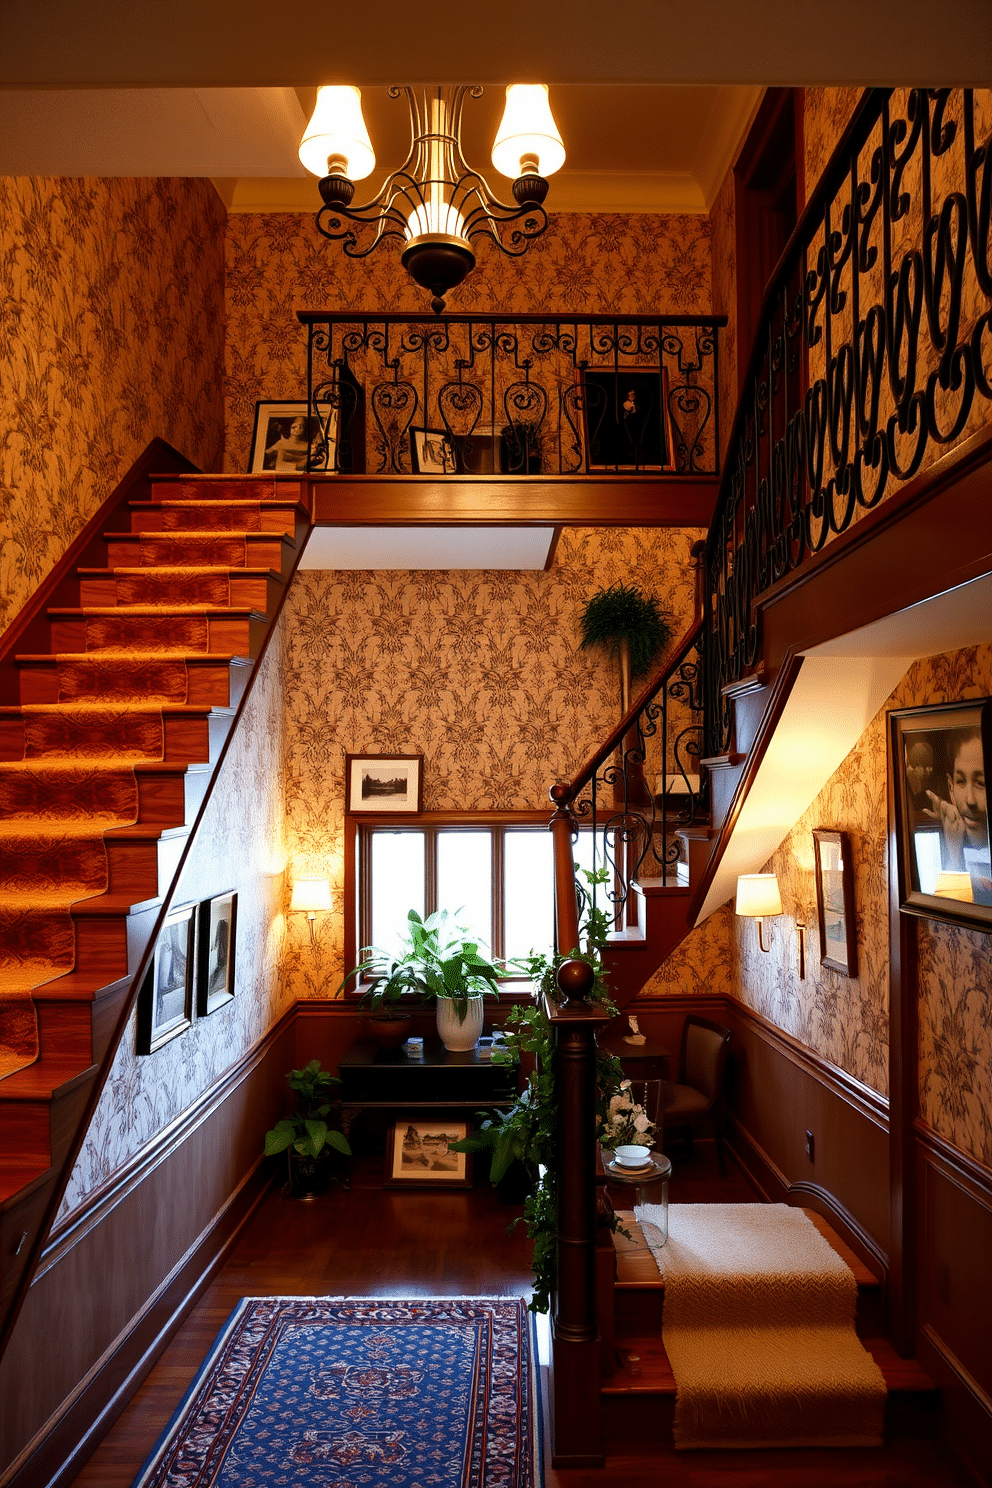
(28, 1215)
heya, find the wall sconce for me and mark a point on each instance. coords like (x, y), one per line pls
(311, 896)
(758, 898)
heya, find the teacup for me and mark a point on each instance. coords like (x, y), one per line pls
(632, 1156)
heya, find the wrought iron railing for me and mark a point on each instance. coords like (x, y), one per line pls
(513, 394)
(874, 348)
(643, 783)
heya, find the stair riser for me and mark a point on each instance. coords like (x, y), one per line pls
(240, 518)
(65, 1030)
(26, 1128)
(636, 1311)
(206, 684)
(188, 741)
(247, 591)
(17, 1216)
(263, 551)
(218, 636)
(170, 800)
(142, 869)
(101, 947)
(265, 488)
(640, 1420)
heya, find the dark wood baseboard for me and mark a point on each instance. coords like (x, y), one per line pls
(55, 1459)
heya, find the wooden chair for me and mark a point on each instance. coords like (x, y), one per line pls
(697, 1097)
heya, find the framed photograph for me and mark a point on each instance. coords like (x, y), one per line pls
(835, 901)
(627, 424)
(937, 761)
(376, 783)
(217, 936)
(330, 435)
(418, 1154)
(432, 452)
(165, 1002)
(435, 452)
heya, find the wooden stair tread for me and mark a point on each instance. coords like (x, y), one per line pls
(213, 658)
(636, 1266)
(194, 534)
(135, 571)
(113, 904)
(146, 832)
(658, 888)
(117, 612)
(79, 986)
(20, 1179)
(281, 503)
(181, 710)
(46, 1079)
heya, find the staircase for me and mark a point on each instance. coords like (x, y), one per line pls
(106, 761)
(638, 1387)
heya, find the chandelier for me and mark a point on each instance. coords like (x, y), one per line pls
(435, 204)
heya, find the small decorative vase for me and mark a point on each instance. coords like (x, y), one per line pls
(458, 1036)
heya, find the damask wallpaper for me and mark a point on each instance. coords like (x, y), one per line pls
(277, 263)
(111, 332)
(240, 846)
(479, 671)
(846, 1019)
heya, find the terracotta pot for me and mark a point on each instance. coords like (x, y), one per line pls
(387, 1029)
(455, 1034)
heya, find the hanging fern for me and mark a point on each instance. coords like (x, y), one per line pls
(625, 613)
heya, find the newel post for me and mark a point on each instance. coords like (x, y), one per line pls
(575, 1374)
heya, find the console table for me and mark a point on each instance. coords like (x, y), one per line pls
(374, 1079)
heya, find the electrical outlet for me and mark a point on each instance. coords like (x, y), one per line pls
(810, 1146)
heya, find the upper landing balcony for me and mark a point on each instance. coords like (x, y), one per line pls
(578, 419)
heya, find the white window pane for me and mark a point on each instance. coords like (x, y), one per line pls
(464, 882)
(397, 885)
(528, 893)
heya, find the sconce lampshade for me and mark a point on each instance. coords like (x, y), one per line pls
(337, 128)
(758, 896)
(528, 129)
(311, 895)
(954, 886)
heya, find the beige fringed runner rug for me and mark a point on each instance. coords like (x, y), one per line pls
(758, 1325)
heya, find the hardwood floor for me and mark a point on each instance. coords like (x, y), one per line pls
(370, 1240)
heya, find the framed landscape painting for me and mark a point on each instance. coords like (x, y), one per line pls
(418, 1154)
(937, 768)
(377, 783)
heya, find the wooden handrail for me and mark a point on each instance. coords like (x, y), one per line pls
(565, 792)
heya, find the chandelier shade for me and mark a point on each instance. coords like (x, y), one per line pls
(336, 137)
(434, 204)
(527, 140)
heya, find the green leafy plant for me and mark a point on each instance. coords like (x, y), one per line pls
(438, 960)
(624, 614)
(306, 1132)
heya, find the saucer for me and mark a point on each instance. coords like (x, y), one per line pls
(618, 1167)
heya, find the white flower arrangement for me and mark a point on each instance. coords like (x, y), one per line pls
(626, 1122)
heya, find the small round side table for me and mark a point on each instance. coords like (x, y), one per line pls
(647, 1182)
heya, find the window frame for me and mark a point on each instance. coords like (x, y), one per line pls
(358, 871)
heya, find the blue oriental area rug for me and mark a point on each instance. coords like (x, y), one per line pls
(350, 1392)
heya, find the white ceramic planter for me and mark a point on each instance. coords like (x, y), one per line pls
(455, 1035)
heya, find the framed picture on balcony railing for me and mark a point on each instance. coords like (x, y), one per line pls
(326, 437)
(937, 763)
(626, 421)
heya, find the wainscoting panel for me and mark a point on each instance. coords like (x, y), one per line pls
(779, 1092)
(954, 1295)
(115, 1282)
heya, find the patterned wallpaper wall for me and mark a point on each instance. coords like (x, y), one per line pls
(478, 671)
(241, 845)
(277, 263)
(846, 1019)
(111, 332)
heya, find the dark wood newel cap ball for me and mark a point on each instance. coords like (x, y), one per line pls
(559, 792)
(575, 979)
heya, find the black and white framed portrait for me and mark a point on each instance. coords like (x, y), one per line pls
(626, 419)
(218, 933)
(937, 759)
(165, 1002)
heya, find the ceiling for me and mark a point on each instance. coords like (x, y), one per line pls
(652, 97)
(658, 148)
(514, 548)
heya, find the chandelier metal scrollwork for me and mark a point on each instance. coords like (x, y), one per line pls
(435, 203)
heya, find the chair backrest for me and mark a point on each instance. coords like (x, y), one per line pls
(704, 1056)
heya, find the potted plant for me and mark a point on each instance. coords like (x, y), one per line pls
(437, 961)
(305, 1137)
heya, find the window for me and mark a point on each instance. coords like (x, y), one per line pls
(496, 879)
